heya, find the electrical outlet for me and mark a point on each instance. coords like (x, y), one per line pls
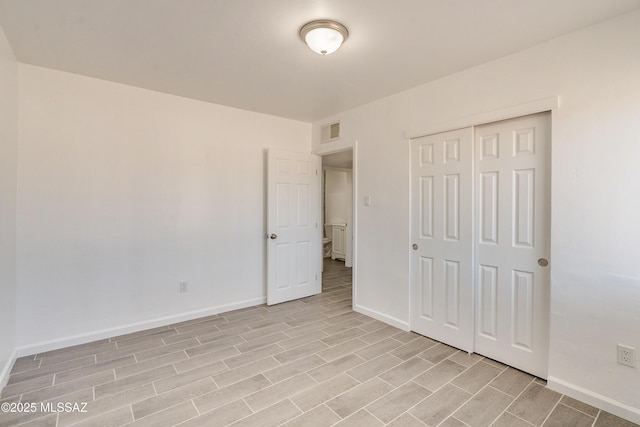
(626, 355)
(183, 286)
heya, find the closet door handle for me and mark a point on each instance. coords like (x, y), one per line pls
(273, 236)
(415, 246)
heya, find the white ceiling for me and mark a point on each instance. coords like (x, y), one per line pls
(247, 53)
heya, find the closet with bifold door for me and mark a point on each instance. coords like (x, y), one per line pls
(480, 230)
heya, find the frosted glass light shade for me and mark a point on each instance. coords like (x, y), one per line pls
(323, 40)
(324, 37)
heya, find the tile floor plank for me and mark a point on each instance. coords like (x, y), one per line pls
(358, 397)
(361, 418)
(168, 417)
(405, 371)
(25, 364)
(230, 393)
(96, 368)
(271, 416)
(146, 377)
(565, 416)
(187, 377)
(249, 370)
(296, 367)
(534, 404)
(324, 392)
(107, 404)
(319, 416)
(476, 377)
(334, 368)
(440, 405)
(280, 391)
(398, 401)
(220, 417)
(60, 390)
(52, 369)
(484, 407)
(117, 417)
(171, 398)
(439, 375)
(374, 367)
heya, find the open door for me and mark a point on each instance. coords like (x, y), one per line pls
(294, 229)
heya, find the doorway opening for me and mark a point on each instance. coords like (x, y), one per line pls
(338, 218)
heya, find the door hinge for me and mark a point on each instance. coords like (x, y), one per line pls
(316, 172)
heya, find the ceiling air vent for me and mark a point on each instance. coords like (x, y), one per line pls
(330, 132)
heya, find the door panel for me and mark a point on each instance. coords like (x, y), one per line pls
(512, 199)
(483, 290)
(442, 269)
(294, 249)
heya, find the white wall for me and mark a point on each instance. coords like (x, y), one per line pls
(125, 192)
(595, 268)
(8, 163)
(335, 197)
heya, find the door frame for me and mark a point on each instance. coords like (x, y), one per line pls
(324, 151)
(538, 106)
(550, 104)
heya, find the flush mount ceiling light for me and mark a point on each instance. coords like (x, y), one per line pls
(323, 36)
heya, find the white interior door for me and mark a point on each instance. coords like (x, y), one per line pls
(512, 244)
(441, 227)
(294, 231)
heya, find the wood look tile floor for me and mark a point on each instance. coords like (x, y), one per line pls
(311, 362)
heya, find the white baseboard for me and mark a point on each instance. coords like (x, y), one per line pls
(594, 399)
(6, 369)
(390, 320)
(63, 342)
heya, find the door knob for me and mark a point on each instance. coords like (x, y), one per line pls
(415, 247)
(273, 236)
(543, 262)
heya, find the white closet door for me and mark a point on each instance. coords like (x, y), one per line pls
(512, 241)
(441, 224)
